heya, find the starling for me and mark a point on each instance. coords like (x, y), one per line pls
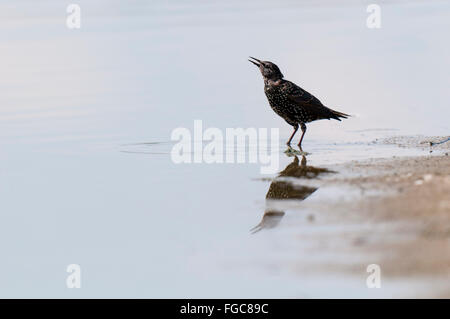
(295, 105)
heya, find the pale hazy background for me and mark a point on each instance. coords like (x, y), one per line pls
(73, 100)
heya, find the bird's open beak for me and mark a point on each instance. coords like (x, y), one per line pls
(255, 63)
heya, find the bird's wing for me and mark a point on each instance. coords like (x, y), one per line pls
(308, 102)
(299, 96)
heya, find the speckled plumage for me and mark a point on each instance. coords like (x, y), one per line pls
(295, 105)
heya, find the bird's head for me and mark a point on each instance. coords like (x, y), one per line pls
(268, 69)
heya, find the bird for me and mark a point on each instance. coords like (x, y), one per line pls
(294, 104)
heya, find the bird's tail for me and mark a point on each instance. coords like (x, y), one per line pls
(338, 115)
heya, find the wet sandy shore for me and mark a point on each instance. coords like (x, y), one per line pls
(394, 212)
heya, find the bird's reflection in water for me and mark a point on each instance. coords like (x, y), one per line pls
(285, 190)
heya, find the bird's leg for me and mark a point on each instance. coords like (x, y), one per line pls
(303, 127)
(292, 136)
(290, 151)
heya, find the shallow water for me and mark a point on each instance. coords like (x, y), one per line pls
(86, 116)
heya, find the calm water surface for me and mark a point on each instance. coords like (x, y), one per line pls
(86, 117)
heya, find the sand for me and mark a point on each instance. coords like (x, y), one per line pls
(401, 208)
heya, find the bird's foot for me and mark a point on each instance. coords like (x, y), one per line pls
(293, 152)
(303, 153)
